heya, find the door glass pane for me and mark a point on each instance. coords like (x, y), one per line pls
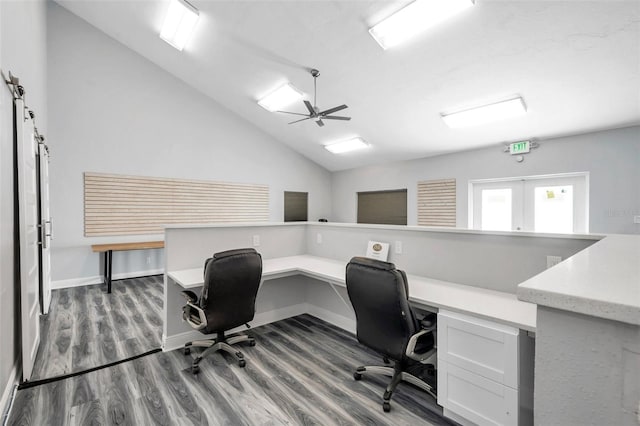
(496, 209)
(553, 211)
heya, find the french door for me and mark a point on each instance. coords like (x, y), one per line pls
(549, 204)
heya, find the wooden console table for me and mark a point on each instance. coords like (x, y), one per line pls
(108, 250)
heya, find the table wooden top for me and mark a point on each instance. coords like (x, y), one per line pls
(142, 245)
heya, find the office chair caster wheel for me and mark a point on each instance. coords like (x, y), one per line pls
(195, 369)
(252, 342)
(242, 363)
(357, 376)
(386, 406)
(187, 351)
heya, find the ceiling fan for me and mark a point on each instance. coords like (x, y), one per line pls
(314, 112)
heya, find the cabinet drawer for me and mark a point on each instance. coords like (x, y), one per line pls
(475, 398)
(482, 347)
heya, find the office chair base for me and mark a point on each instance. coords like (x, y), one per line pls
(397, 376)
(221, 343)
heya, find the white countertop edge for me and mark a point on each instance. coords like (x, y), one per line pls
(430, 229)
(571, 303)
(576, 285)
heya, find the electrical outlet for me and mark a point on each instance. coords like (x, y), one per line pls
(398, 247)
(148, 260)
(256, 240)
(636, 219)
(553, 261)
(319, 238)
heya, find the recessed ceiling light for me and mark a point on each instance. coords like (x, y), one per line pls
(179, 23)
(281, 97)
(486, 113)
(346, 146)
(415, 18)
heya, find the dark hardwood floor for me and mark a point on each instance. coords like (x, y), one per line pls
(86, 327)
(299, 373)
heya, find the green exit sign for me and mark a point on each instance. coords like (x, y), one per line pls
(519, 147)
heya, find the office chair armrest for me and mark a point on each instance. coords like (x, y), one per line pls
(190, 296)
(189, 317)
(413, 341)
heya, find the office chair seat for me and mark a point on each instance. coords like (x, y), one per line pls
(231, 282)
(386, 323)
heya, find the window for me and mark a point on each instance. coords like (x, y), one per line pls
(383, 207)
(550, 204)
(295, 206)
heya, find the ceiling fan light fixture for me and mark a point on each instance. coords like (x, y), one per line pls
(281, 97)
(179, 23)
(486, 114)
(347, 146)
(415, 18)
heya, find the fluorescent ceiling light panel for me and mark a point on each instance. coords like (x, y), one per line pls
(280, 98)
(179, 23)
(415, 18)
(346, 146)
(486, 114)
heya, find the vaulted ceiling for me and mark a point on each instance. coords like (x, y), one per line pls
(576, 64)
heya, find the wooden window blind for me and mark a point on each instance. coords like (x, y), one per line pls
(383, 207)
(295, 206)
(437, 203)
(133, 205)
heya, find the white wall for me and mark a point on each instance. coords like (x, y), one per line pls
(22, 51)
(113, 111)
(612, 158)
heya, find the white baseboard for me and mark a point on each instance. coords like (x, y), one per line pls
(331, 317)
(8, 392)
(97, 279)
(178, 340)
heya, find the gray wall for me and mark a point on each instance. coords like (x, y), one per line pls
(612, 158)
(491, 260)
(22, 51)
(113, 111)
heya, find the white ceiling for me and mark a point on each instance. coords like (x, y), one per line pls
(575, 63)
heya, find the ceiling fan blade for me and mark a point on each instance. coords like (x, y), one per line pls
(302, 119)
(335, 117)
(332, 110)
(295, 113)
(319, 123)
(310, 107)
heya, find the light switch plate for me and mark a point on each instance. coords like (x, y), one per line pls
(319, 238)
(256, 240)
(398, 247)
(553, 261)
(636, 219)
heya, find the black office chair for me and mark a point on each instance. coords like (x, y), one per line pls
(228, 299)
(386, 323)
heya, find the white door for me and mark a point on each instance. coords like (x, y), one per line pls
(549, 204)
(27, 147)
(498, 206)
(45, 229)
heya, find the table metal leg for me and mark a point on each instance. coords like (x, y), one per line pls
(108, 259)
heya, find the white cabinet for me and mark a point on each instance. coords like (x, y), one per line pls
(480, 371)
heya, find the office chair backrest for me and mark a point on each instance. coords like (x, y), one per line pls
(231, 281)
(379, 294)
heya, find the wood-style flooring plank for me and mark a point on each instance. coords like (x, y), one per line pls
(299, 373)
(87, 327)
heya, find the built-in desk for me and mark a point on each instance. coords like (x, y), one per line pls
(485, 348)
(424, 292)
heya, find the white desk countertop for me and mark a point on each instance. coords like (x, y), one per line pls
(492, 305)
(602, 280)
